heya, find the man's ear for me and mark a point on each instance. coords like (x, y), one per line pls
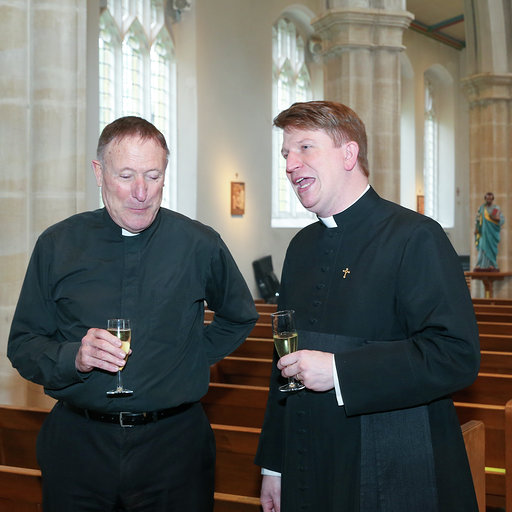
(351, 153)
(98, 172)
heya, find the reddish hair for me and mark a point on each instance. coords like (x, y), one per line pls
(340, 122)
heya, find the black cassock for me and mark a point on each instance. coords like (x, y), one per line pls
(385, 292)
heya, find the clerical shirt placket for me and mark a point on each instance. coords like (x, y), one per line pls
(323, 278)
(131, 277)
(324, 275)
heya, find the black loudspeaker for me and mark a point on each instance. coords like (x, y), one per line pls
(267, 282)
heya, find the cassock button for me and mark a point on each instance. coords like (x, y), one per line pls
(325, 269)
(313, 321)
(320, 286)
(317, 303)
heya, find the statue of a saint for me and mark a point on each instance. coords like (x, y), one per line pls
(489, 220)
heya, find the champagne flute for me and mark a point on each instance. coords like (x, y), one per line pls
(120, 327)
(286, 341)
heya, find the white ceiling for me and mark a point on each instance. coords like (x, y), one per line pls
(439, 19)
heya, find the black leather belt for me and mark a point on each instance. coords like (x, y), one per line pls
(129, 419)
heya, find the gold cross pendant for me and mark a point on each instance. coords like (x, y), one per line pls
(345, 272)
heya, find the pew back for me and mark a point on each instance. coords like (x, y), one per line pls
(18, 433)
(20, 489)
(474, 439)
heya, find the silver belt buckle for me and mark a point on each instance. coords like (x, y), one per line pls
(121, 419)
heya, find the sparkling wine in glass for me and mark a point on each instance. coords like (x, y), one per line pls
(120, 327)
(286, 341)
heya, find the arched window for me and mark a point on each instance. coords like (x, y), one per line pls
(291, 83)
(137, 72)
(439, 146)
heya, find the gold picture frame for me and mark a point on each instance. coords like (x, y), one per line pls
(420, 204)
(237, 198)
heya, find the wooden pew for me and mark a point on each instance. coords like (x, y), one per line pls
(489, 399)
(493, 308)
(491, 300)
(19, 427)
(488, 388)
(495, 362)
(235, 472)
(495, 328)
(496, 342)
(249, 371)
(498, 448)
(474, 439)
(259, 348)
(262, 330)
(20, 489)
(263, 307)
(234, 503)
(493, 316)
(234, 404)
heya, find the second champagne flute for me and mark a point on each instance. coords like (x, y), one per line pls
(286, 341)
(120, 327)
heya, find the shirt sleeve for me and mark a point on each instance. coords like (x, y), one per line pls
(228, 296)
(269, 472)
(35, 347)
(337, 386)
(440, 353)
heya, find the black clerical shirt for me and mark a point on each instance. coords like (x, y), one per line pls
(83, 271)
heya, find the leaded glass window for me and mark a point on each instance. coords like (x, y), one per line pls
(431, 154)
(291, 83)
(137, 72)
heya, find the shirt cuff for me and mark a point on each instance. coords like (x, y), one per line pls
(337, 387)
(269, 472)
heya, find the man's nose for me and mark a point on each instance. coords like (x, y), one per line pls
(140, 189)
(293, 162)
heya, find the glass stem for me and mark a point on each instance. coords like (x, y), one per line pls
(119, 381)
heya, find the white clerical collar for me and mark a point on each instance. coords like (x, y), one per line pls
(127, 233)
(330, 222)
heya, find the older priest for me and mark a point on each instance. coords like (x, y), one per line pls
(153, 451)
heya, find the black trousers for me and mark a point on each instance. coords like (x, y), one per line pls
(91, 466)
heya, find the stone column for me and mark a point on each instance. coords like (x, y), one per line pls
(490, 142)
(489, 91)
(42, 129)
(361, 49)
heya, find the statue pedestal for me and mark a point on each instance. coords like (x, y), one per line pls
(488, 279)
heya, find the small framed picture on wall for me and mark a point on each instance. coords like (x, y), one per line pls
(237, 198)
